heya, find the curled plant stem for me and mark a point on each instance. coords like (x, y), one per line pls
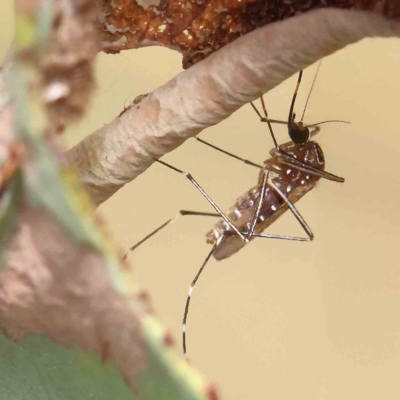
(212, 90)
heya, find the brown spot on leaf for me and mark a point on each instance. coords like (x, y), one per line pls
(125, 265)
(212, 393)
(168, 340)
(144, 298)
(16, 153)
(60, 129)
(105, 351)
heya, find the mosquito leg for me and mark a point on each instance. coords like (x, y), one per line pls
(287, 159)
(272, 236)
(263, 119)
(293, 209)
(282, 237)
(180, 213)
(149, 236)
(209, 199)
(186, 312)
(258, 210)
(228, 153)
(276, 121)
(268, 122)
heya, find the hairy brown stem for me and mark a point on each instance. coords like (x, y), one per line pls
(212, 90)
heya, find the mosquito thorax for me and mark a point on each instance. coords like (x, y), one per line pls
(310, 153)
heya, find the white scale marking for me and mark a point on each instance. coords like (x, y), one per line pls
(289, 188)
(237, 213)
(225, 226)
(273, 207)
(190, 291)
(184, 328)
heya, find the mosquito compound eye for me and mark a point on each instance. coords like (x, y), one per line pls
(299, 135)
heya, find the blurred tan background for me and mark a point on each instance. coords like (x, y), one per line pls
(278, 320)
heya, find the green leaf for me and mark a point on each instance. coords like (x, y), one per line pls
(9, 203)
(36, 368)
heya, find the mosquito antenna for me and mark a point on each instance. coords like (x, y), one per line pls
(186, 312)
(311, 89)
(268, 122)
(330, 120)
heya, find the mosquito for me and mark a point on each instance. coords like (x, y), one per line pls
(293, 169)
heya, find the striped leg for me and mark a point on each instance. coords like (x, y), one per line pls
(209, 199)
(293, 209)
(191, 288)
(260, 203)
(180, 213)
(248, 162)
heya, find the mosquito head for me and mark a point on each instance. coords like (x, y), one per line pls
(298, 132)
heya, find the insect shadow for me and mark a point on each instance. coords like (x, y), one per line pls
(293, 169)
